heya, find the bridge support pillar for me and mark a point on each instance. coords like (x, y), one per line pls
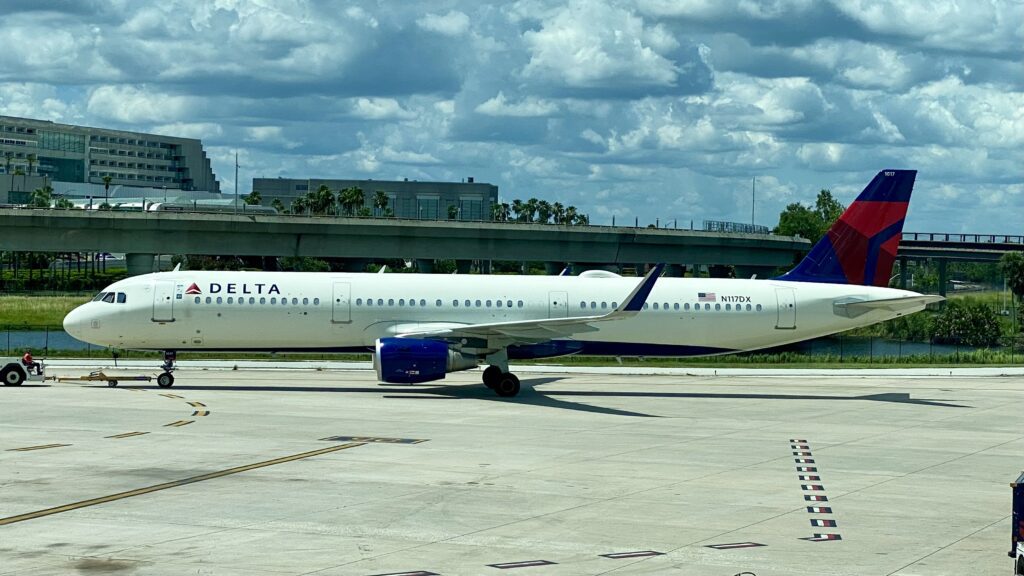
(719, 271)
(425, 266)
(463, 266)
(140, 263)
(903, 272)
(763, 272)
(553, 268)
(355, 264)
(943, 275)
(485, 266)
(675, 271)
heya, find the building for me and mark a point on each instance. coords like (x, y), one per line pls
(406, 199)
(80, 154)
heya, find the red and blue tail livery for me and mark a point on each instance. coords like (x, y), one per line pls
(860, 248)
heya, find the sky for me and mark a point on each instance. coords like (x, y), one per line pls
(647, 109)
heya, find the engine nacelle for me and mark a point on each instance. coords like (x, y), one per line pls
(411, 361)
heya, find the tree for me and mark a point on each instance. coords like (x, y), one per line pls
(810, 222)
(41, 197)
(106, 189)
(966, 322)
(517, 210)
(253, 198)
(380, 202)
(276, 204)
(1012, 267)
(31, 158)
(544, 211)
(321, 201)
(558, 212)
(453, 212)
(500, 211)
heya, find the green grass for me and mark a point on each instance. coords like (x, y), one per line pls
(32, 312)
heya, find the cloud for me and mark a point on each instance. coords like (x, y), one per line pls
(527, 108)
(454, 23)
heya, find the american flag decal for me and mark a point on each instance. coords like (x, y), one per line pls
(706, 297)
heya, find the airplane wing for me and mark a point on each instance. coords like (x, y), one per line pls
(904, 304)
(544, 329)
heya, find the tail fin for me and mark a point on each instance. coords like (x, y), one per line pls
(860, 248)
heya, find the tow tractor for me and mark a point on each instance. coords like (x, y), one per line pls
(14, 373)
(1017, 525)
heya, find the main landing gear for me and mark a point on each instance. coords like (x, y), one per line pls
(504, 383)
(166, 380)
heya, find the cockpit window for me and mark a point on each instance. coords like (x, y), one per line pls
(99, 297)
(121, 298)
(108, 297)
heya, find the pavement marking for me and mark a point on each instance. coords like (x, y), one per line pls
(172, 396)
(197, 404)
(201, 413)
(179, 423)
(815, 498)
(638, 554)
(417, 573)
(823, 537)
(173, 484)
(819, 510)
(43, 447)
(127, 435)
(735, 545)
(809, 478)
(812, 487)
(804, 460)
(524, 564)
(806, 469)
(819, 523)
(374, 440)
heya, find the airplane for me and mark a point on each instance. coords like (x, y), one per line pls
(420, 327)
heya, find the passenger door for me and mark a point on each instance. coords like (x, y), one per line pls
(558, 305)
(341, 305)
(786, 298)
(163, 301)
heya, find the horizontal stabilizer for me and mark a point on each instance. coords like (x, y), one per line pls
(905, 305)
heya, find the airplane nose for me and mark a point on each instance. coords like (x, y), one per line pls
(75, 323)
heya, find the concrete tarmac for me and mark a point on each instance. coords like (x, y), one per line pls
(274, 472)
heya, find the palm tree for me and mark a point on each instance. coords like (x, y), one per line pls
(531, 209)
(558, 211)
(299, 205)
(106, 189)
(253, 198)
(499, 212)
(276, 204)
(358, 198)
(31, 162)
(321, 201)
(517, 210)
(570, 216)
(453, 211)
(543, 211)
(380, 202)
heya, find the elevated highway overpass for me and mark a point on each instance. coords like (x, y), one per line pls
(944, 248)
(142, 235)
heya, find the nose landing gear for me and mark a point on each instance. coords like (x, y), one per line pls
(166, 380)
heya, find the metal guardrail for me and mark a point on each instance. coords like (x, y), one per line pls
(963, 238)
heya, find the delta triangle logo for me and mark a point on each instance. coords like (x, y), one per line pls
(193, 289)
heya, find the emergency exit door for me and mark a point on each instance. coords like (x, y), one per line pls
(341, 306)
(558, 307)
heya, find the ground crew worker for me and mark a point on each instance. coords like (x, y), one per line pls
(30, 363)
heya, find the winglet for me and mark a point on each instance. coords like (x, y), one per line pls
(567, 271)
(638, 297)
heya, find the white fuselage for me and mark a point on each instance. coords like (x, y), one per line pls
(284, 311)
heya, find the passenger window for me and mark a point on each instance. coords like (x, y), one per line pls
(252, 300)
(718, 306)
(477, 303)
(499, 303)
(748, 307)
(758, 307)
(645, 305)
(220, 300)
(231, 299)
(412, 301)
(316, 301)
(359, 301)
(675, 306)
(686, 306)
(273, 300)
(263, 300)
(488, 303)
(615, 304)
(509, 303)
(305, 301)
(369, 301)
(423, 303)
(583, 305)
(664, 306)
(121, 298)
(391, 301)
(380, 301)
(401, 301)
(520, 303)
(455, 303)
(197, 299)
(604, 305)
(655, 305)
(707, 307)
(728, 307)
(593, 304)
(209, 300)
(284, 301)
(438, 303)
(468, 303)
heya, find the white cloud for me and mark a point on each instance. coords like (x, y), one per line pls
(197, 130)
(454, 23)
(380, 109)
(527, 108)
(137, 105)
(594, 44)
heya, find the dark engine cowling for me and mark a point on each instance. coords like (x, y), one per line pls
(411, 361)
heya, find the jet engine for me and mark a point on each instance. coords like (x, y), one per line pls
(411, 361)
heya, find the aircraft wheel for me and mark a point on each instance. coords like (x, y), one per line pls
(12, 375)
(112, 383)
(165, 380)
(1020, 565)
(507, 386)
(491, 376)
